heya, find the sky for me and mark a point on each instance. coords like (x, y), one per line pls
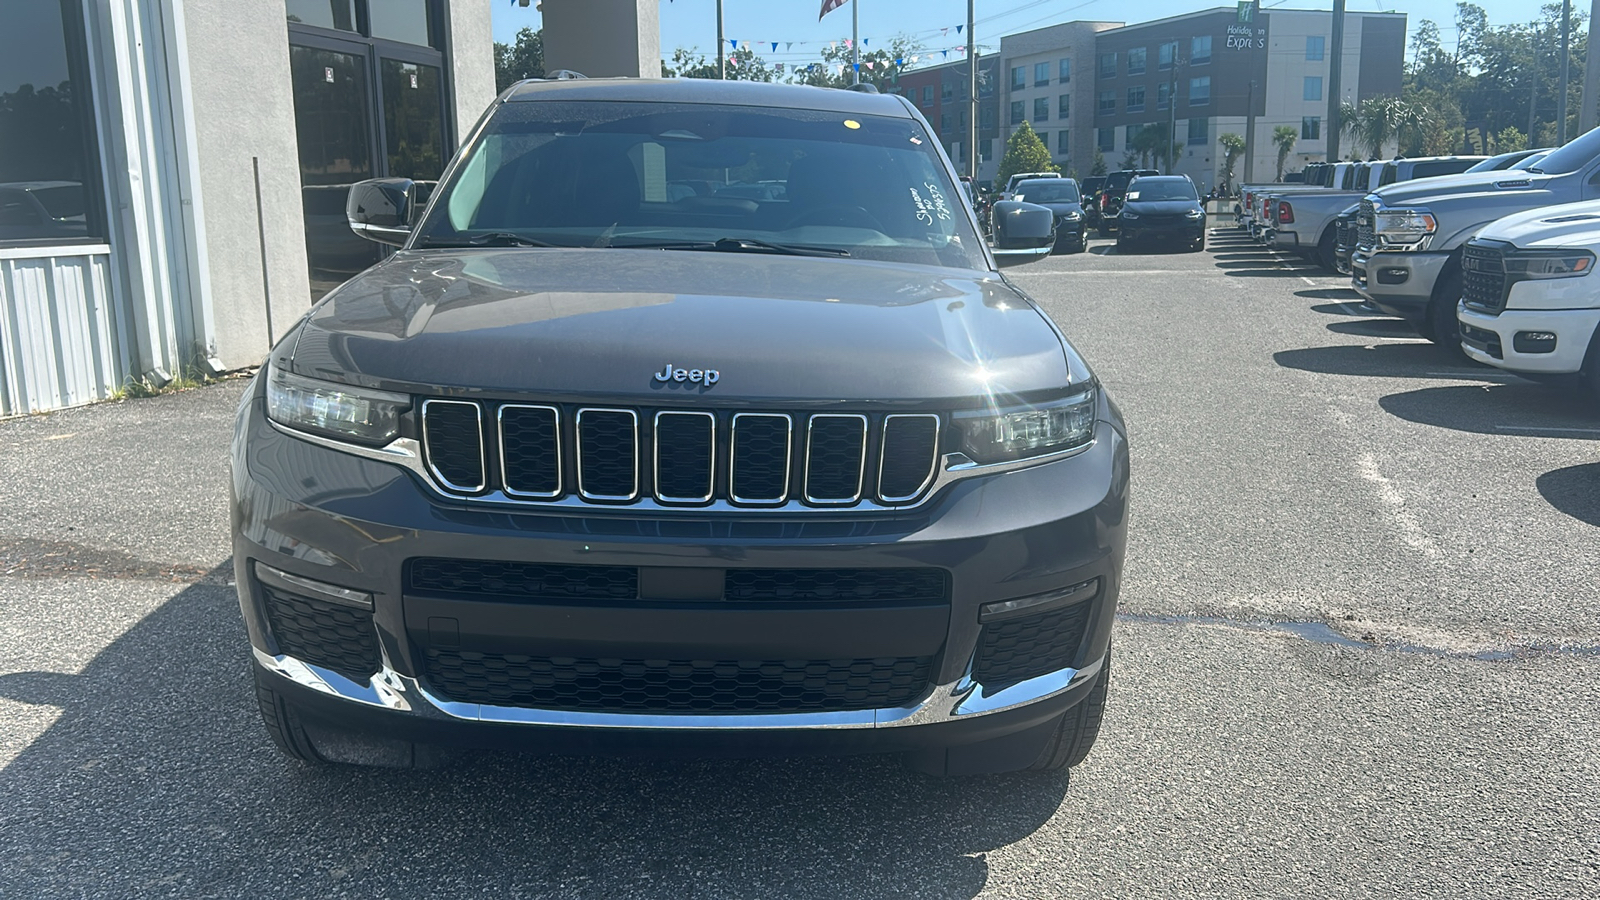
(693, 23)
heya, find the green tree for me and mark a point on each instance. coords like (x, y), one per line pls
(1283, 137)
(1232, 148)
(1024, 153)
(883, 73)
(1379, 121)
(1510, 139)
(742, 65)
(1099, 167)
(522, 59)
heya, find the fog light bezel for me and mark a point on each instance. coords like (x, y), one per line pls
(1033, 604)
(1536, 342)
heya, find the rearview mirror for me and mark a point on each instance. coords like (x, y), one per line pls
(1023, 232)
(380, 209)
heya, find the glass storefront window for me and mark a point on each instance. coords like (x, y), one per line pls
(338, 14)
(48, 169)
(413, 115)
(405, 21)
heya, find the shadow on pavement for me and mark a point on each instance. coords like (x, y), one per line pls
(1521, 409)
(158, 777)
(1375, 328)
(1346, 294)
(1408, 360)
(1350, 308)
(1574, 490)
(1264, 272)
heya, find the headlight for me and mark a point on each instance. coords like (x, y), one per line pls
(1403, 226)
(1537, 264)
(1194, 214)
(336, 410)
(1130, 216)
(989, 436)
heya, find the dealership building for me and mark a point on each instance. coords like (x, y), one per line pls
(173, 172)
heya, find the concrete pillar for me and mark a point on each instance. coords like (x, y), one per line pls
(603, 38)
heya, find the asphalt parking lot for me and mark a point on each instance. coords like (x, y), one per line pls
(1359, 655)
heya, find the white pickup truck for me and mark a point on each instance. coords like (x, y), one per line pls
(1530, 302)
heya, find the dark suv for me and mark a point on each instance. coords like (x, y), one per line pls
(1111, 197)
(587, 463)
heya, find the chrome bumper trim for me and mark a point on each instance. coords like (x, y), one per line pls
(963, 698)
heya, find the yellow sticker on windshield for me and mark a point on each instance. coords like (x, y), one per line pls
(851, 124)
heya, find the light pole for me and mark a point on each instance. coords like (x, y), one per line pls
(1566, 71)
(722, 63)
(972, 100)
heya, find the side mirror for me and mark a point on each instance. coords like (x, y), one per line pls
(1023, 232)
(380, 209)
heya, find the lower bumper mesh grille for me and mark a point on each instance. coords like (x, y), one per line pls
(322, 634)
(677, 686)
(1018, 649)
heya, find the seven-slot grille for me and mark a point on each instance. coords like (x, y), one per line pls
(539, 452)
(1483, 277)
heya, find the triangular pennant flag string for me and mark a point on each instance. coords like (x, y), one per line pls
(959, 27)
(774, 46)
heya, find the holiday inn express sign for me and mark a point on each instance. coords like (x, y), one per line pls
(1245, 35)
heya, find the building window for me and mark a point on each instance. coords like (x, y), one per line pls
(1065, 70)
(49, 173)
(1131, 134)
(1108, 65)
(1165, 55)
(944, 122)
(1019, 78)
(1016, 112)
(1108, 103)
(1041, 109)
(404, 21)
(1062, 143)
(945, 92)
(1136, 99)
(1313, 87)
(1199, 132)
(1064, 106)
(927, 95)
(1105, 139)
(1200, 91)
(1136, 61)
(1200, 50)
(1311, 128)
(986, 117)
(335, 14)
(985, 149)
(1315, 43)
(1163, 95)
(1041, 74)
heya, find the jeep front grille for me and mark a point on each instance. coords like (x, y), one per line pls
(1483, 277)
(560, 454)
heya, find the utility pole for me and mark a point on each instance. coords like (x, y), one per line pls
(1566, 71)
(722, 62)
(1533, 88)
(1590, 111)
(1172, 109)
(1335, 76)
(972, 100)
(1250, 136)
(855, 41)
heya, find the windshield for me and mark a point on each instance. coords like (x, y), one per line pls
(1148, 191)
(1053, 190)
(1570, 158)
(619, 174)
(61, 202)
(1530, 161)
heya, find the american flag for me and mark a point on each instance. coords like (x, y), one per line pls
(829, 6)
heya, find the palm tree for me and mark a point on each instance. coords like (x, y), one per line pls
(1377, 121)
(1283, 137)
(1233, 147)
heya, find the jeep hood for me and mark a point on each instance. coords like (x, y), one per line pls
(593, 324)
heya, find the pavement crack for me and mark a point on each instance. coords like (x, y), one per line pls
(37, 558)
(1325, 634)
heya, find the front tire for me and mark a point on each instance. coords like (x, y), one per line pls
(1442, 327)
(1079, 728)
(1325, 254)
(284, 726)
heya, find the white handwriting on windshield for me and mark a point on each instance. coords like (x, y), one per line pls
(931, 207)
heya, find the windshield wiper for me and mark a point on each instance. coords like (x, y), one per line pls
(489, 239)
(741, 245)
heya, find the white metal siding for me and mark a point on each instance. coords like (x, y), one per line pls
(55, 331)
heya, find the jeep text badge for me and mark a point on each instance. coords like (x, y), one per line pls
(707, 377)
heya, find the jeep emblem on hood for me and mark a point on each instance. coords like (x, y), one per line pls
(707, 377)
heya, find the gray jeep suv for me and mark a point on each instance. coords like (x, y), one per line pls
(606, 455)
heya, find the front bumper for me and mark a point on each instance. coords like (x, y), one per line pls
(339, 519)
(1491, 339)
(1400, 284)
(1189, 231)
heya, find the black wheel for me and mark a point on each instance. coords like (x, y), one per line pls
(1442, 327)
(1083, 240)
(285, 727)
(1079, 727)
(1325, 255)
(1591, 366)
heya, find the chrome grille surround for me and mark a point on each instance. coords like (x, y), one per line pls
(582, 489)
(655, 456)
(1366, 235)
(933, 458)
(500, 435)
(812, 451)
(733, 458)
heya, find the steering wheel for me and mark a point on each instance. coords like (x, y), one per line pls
(848, 216)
